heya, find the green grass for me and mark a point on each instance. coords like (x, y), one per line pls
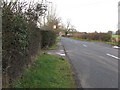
(54, 47)
(113, 43)
(48, 72)
(115, 35)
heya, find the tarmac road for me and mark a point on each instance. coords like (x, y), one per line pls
(96, 66)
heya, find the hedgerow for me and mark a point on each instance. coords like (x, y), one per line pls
(48, 38)
(21, 39)
(94, 36)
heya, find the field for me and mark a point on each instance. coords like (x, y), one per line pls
(115, 36)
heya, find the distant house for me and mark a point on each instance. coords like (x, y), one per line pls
(61, 33)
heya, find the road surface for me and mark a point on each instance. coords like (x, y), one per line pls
(96, 66)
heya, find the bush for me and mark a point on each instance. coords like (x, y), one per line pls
(34, 40)
(95, 36)
(105, 37)
(15, 42)
(48, 38)
(21, 40)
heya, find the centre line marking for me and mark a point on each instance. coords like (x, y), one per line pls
(84, 45)
(112, 56)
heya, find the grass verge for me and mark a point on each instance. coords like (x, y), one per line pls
(54, 47)
(48, 72)
(112, 43)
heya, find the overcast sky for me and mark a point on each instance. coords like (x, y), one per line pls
(89, 15)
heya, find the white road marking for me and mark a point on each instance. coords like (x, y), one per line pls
(84, 45)
(112, 56)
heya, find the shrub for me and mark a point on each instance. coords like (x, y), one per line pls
(105, 37)
(48, 38)
(15, 40)
(34, 40)
(21, 40)
(95, 36)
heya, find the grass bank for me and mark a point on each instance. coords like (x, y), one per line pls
(48, 71)
(94, 41)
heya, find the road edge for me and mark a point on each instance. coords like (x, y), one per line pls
(77, 81)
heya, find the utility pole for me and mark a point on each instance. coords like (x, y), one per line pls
(119, 15)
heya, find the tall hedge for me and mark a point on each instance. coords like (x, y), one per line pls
(21, 40)
(48, 38)
(15, 43)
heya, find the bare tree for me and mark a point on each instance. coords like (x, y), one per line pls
(36, 10)
(52, 21)
(69, 28)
